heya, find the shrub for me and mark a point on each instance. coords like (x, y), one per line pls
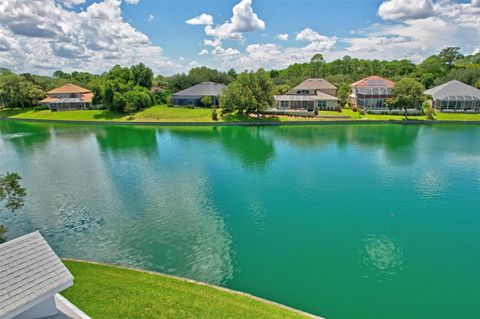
(354, 108)
(39, 108)
(430, 112)
(338, 108)
(214, 115)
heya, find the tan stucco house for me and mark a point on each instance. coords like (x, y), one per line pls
(68, 97)
(309, 95)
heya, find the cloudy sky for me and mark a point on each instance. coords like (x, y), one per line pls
(170, 36)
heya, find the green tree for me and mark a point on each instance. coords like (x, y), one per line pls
(142, 75)
(13, 194)
(449, 55)
(249, 93)
(14, 90)
(119, 102)
(317, 62)
(206, 101)
(407, 94)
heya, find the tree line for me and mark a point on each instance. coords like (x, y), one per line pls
(129, 89)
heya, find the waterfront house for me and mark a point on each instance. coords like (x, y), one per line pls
(455, 96)
(309, 95)
(371, 93)
(31, 276)
(68, 97)
(193, 95)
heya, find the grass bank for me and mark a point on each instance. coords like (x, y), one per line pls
(162, 113)
(104, 291)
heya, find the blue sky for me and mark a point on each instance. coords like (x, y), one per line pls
(172, 36)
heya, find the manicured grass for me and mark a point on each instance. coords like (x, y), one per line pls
(458, 117)
(105, 292)
(162, 113)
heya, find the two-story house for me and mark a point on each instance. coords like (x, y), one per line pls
(309, 95)
(68, 97)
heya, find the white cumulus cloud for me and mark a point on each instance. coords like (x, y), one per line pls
(405, 9)
(283, 36)
(45, 35)
(203, 19)
(243, 20)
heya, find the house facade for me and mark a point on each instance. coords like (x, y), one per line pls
(193, 95)
(455, 96)
(371, 93)
(68, 97)
(310, 95)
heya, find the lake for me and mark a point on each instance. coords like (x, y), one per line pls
(343, 221)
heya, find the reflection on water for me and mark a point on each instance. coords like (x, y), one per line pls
(381, 255)
(280, 212)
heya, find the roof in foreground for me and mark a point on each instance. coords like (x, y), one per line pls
(374, 81)
(202, 89)
(69, 88)
(29, 269)
(452, 89)
(314, 84)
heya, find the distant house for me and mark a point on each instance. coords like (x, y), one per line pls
(455, 96)
(371, 93)
(194, 94)
(31, 275)
(68, 97)
(309, 95)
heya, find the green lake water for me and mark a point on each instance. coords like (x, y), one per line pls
(343, 221)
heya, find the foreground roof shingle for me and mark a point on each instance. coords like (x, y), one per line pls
(200, 90)
(29, 272)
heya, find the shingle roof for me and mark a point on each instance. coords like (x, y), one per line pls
(202, 89)
(69, 88)
(374, 81)
(314, 84)
(29, 269)
(453, 89)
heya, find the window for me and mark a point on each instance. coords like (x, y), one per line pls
(322, 104)
(284, 104)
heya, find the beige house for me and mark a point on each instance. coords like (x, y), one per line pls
(310, 95)
(68, 97)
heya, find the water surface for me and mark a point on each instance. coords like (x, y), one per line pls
(344, 221)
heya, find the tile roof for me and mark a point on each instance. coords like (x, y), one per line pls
(314, 84)
(453, 89)
(85, 97)
(374, 81)
(200, 90)
(29, 269)
(69, 88)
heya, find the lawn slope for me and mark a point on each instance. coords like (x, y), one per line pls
(104, 291)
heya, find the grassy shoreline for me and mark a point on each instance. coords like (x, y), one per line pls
(108, 291)
(161, 114)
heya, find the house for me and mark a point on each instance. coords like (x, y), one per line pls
(309, 95)
(371, 93)
(455, 96)
(68, 97)
(31, 275)
(194, 94)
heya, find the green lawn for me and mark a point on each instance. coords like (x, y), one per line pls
(162, 113)
(103, 291)
(155, 113)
